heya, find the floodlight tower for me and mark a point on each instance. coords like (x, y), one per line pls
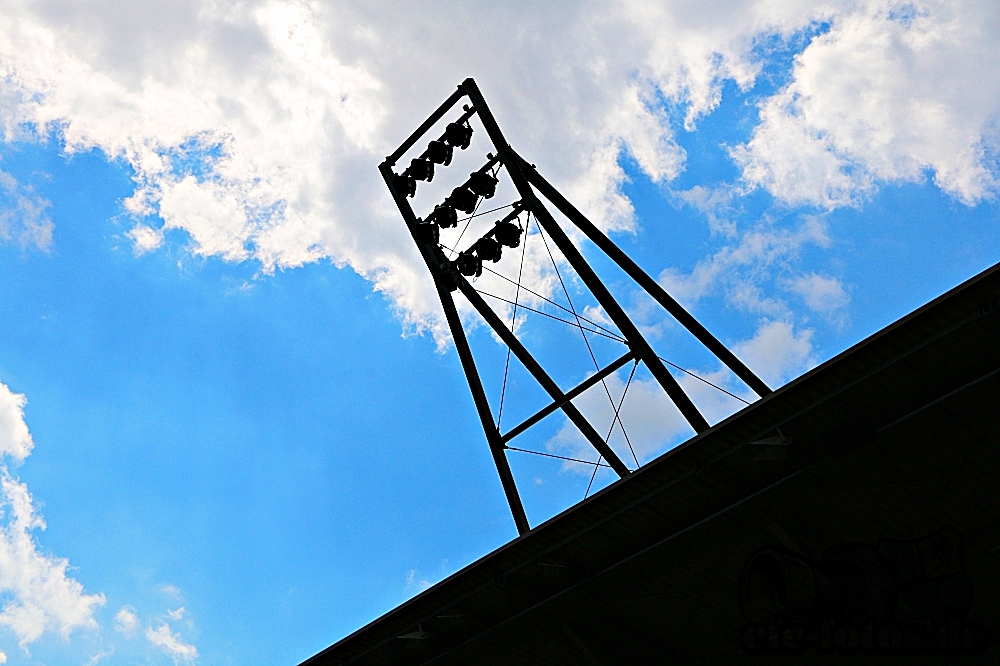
(452, 275)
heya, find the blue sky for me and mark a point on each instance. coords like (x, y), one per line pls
(226, 386)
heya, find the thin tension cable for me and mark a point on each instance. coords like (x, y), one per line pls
(613, 421)
(597, 365)
(513, 319)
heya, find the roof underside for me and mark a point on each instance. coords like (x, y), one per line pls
(894, 439)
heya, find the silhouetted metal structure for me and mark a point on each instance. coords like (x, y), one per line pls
(451, 275)
(849, 516)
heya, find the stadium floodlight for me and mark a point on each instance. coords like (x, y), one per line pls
(451, 276)
(458, 135)
(463, 199)
(483, 184)
(405, 184)
(469, 264)
(421, 169)
(443, 216)
(439, 152)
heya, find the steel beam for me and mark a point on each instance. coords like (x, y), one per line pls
(427, 124)
(651, 286)
(570, 395)
(635, 339)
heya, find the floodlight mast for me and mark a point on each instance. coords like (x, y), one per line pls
(450, 276)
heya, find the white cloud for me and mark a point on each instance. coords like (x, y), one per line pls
(38, 594)
(99, 657)
(715, 204)
(894, 90)
(745, 272)
(169, 590)
(15, 439)
(22, 215)
(171, 643)
(126, 621)
(176, 614)
(255, 127)
(777, 352)
(415, 582)
(821, 293)
(144, 239)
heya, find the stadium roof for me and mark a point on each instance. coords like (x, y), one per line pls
(890, 442)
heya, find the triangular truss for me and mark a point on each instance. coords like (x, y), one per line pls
(451, 275)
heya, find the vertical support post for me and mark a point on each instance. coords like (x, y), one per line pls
(635, 339)
(497, 447)
(651, 286)
(468, 362)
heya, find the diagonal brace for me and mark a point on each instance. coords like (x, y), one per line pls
(643, 279)
(570, 395)
(542, 377)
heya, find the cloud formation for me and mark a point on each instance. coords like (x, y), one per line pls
(37, 594)
(168, 641)
(22, 215)
(15, 439)
(126, 621)
(893, 92)
(255, 126)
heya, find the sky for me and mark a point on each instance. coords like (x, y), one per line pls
(233, 426)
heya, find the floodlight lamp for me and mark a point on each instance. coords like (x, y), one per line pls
(487, 249)
(483, 184)
(507, 233)
(428, 233)
(439, 152)
(443, 216)
(469, 264)
(421, 169)
(458, 135)
(405, 184)
(463, 200)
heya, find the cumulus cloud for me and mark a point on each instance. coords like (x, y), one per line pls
(777, 352)
(171, 643)
(144, 239)
(893, 91)
(255, 127)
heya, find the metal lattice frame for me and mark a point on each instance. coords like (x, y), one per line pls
(532, 187)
